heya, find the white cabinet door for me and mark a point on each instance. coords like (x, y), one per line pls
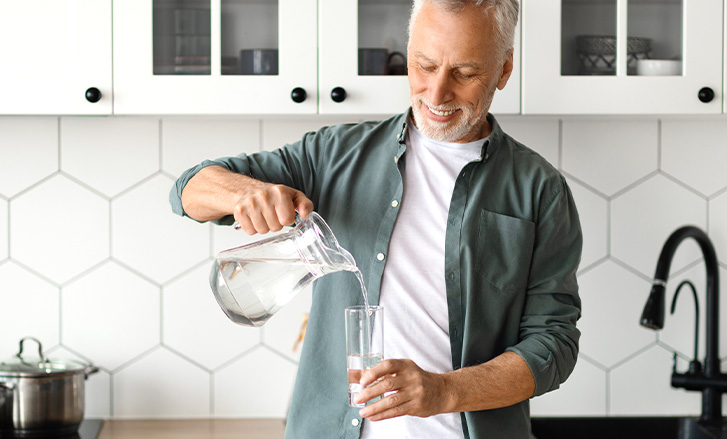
(362, 49)
(588, 57)
(215, 57)
(53, 51)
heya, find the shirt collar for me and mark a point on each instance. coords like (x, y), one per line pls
(488, 148)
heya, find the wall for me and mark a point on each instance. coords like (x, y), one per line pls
(94, 264)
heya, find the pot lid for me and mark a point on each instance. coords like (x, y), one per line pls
(21, 365)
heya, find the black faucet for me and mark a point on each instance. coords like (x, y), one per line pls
(710, 380)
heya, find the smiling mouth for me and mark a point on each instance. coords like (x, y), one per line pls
(441, 113)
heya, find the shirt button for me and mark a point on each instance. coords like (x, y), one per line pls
(355, 422)
(451, 275)
(380, 256)
(394, 203)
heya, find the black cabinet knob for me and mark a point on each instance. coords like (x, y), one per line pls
(338, 94)
(93, 95)
(298, 95)
(706, 94)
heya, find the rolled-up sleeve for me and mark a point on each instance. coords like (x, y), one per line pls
(292, 165)
(548, 334)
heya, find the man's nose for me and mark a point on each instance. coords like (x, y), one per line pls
(440, 88)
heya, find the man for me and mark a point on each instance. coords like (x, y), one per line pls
(468, 239)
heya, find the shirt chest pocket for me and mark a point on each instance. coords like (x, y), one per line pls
(504, 249)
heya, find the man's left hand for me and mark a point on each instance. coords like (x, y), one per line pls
(409, 390)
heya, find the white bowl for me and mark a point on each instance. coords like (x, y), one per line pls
(658, 67)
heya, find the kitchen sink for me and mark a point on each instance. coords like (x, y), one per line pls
(623, 428)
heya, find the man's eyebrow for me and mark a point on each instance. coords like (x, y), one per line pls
(423, 57)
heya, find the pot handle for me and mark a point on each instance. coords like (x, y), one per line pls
(8, 386)
(40, 349)
(90, 370)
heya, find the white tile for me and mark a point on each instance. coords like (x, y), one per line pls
(259, 385)
(593, 214)
(162, 385)
(644, 217)
(282, 330)
(110, 153)
(642, 386)
(3, 229)
(195, 325)
(718, 227)
(187, 142)
(28, 152)
(612, 300)
(110, 315)
(278, 133)
(31, 308)
(583, 394)
(540, 135)
(59, 228)
(610, 155)
(148, 237)
(695, 152)
(97, 386)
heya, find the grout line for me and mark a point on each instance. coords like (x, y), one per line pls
(658, 144)
(684, 185)
(634, 184)
(212, 394)
(609, 226)
(607, 401)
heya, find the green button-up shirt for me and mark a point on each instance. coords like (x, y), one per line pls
(513, 245)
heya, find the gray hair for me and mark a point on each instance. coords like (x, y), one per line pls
(504, 12)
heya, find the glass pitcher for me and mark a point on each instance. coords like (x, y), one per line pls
(252, 282)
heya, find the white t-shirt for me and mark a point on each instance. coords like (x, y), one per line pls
(413, 294)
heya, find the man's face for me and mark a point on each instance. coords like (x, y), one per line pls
(453, 73)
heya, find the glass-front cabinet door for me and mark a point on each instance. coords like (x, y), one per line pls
(363, 50)
(215, 56)
(622, 56)
(56, 57)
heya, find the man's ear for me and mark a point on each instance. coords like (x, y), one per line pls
(506, 71)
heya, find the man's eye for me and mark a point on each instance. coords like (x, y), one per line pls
(427, 68)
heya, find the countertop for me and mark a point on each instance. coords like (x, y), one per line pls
(193, 429)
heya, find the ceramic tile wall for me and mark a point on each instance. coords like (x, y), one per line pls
(93, 263)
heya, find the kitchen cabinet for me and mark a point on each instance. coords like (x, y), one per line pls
(352, 33)
(56, 57)
(215, 57)
(589, 56)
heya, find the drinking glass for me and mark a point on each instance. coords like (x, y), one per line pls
(364, 345)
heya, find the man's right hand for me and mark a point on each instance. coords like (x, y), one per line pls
(257, 206)
(268, 207)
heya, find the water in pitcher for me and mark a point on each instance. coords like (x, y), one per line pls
(267, 283)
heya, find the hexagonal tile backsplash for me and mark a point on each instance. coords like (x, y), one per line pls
(95, 265)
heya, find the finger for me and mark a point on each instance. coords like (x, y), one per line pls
(385, 385)
(392, 406)
(303, 205)
(285, 211)
(245, 224)
(270, 215)
(259, 222)
(386, 367)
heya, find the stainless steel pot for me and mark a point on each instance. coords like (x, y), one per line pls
(41, 397)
